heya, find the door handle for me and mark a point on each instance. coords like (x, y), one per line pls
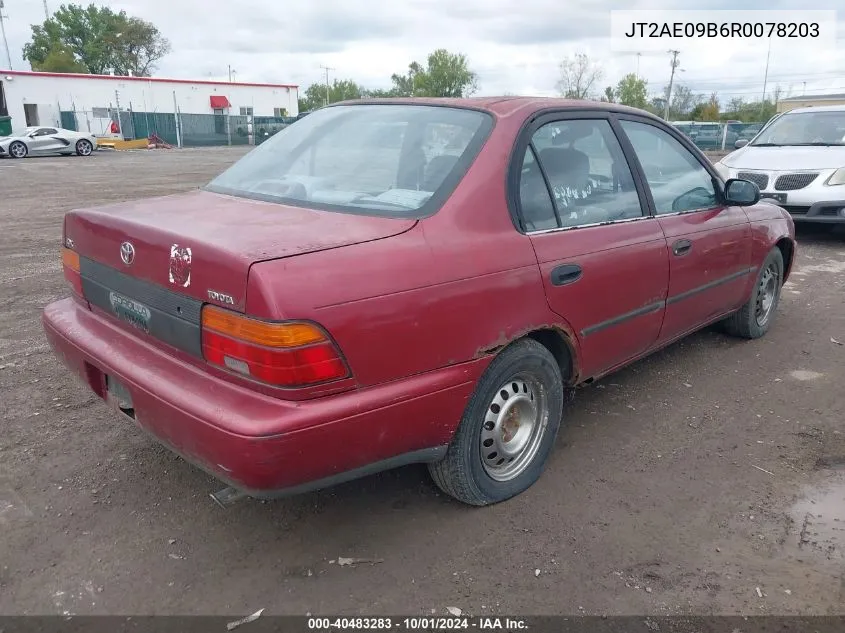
(566, 274)
(681, 247)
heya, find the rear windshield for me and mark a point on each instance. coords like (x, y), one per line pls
(391, 160)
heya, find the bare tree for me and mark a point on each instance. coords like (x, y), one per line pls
(578, 75)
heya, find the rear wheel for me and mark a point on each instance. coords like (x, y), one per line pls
(508, 429)
(754, 319)
(18, 150)
(84, 147)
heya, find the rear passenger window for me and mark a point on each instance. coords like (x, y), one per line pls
(589, 177)
(535, 203)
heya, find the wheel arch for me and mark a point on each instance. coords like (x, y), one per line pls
(787, 249)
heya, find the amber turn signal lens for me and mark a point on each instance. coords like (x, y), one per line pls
(259, 332)
(70, 259)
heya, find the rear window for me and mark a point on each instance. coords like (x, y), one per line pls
(392, 160)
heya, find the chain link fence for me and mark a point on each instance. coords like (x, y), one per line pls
(718, 136)
(177, 129)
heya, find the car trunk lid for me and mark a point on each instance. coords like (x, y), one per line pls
(202, 244)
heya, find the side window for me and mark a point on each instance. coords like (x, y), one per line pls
(678, 182)
(590, 179)
(535, 203)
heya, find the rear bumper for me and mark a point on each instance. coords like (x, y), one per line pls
(257, 443)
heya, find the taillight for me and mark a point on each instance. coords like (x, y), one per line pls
(287, 354)
(70, 266)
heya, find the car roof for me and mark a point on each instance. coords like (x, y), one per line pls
(506, 106)
(827, 108)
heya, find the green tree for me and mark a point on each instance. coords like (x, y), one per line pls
(96, 39)
(683, 102)
(609, 95)
(444, 75)
(60, 59)
(708, 111)
(578, 75)
(339, 90)
(632, 91)
(379, 93)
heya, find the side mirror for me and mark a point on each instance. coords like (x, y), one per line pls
(741, 193)
(741, 143)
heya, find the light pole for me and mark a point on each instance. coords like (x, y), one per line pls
(3, 31)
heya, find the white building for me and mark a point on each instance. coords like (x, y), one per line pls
(36, 98)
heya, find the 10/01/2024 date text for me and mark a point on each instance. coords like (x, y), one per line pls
(422, 623)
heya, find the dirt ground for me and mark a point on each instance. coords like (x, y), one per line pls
(707, 479)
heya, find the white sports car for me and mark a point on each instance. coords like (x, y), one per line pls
(47, 140)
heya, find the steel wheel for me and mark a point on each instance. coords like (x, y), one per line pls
(84, 148)
(513, 428)
(766, 294)
(756, 316)
(17, 150)
(508, 428)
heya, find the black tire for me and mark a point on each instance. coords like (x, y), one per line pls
(464, 473)
(18, 149)
(746, 323)
(84, 147)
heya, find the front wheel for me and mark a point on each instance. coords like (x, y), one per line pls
(84, 148)
(508, 429)
(18, 150)
(755, 318)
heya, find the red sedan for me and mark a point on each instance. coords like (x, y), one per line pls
(404, 281)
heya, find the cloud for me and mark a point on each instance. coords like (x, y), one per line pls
(515, 46)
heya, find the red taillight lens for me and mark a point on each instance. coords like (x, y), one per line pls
(282, 354)
(70, 267)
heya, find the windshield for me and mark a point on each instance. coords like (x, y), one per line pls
(805, 128)
(389, 160)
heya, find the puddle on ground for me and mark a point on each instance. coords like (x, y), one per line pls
(820, 519)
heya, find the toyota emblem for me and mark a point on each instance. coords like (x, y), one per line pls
(127, 253)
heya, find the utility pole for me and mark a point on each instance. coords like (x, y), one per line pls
(46, 11)
(119, 122)
(327, 69)
(638, 64)
(3, 31)
(766, 74)
(804, 91)
(675, 63)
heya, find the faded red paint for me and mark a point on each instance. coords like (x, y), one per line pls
(417, 309)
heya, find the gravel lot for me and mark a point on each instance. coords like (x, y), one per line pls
(709, 478)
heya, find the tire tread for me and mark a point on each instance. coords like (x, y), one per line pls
(452, 474)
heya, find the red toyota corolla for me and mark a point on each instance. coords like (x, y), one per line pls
(410, 281)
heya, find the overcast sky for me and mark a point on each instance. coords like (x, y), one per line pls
(515, 46)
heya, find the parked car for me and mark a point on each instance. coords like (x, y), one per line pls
(47, 140)
(797, 161)
(333, 305)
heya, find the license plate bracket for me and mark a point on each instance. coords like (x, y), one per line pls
(133, 312)
(119, 394)
(777, 197)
